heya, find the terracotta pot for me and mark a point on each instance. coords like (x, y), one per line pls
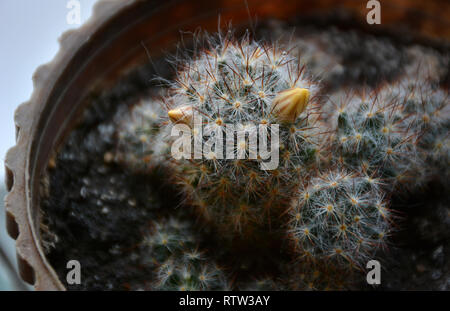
(110, 44)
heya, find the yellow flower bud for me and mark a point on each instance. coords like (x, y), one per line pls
(289, 104)
(183, 114)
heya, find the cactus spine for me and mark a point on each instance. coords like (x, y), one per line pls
(245, 85)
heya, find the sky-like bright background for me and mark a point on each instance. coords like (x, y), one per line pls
(29, 30)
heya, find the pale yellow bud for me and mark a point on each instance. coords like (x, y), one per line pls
(289, 104)
(183, 114)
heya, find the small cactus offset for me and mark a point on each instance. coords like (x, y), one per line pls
(142, 142)
(171, 246)
(339, 219)
(245, 86)
(427, 112)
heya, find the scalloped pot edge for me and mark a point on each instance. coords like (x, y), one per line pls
(33, 266)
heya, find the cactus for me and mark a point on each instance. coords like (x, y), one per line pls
(241, 85)
(373, 137)
(427, 111)
(339, 219)
(331, 187)
(172, 247)
(142, 143)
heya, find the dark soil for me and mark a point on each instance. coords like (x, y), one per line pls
(419, 256)
(96, 211)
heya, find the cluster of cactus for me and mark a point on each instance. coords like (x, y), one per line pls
(142, 144)
(172, 247)
(392, 134)
(336, 170)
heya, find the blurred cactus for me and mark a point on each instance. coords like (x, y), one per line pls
(373, 138)
(142, 142)
(426, 110)
(171, 246)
